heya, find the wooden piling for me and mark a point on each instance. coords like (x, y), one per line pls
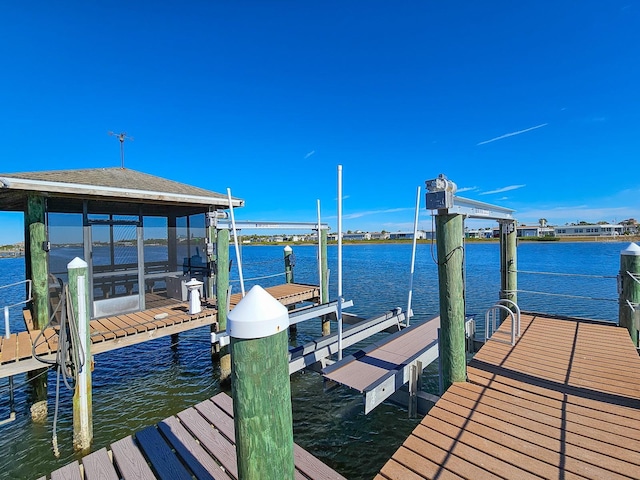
(37, 271)
(289, 263)
(324, 284)
(222, 290)
(450, 248)
(82, 398)
(508, 261)
(260, 387)
(629, 299)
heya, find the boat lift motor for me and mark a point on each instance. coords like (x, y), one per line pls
(440, 193)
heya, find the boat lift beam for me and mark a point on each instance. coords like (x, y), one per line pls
(440, 196)
(295, 316)
(469, 208)
(226, 225)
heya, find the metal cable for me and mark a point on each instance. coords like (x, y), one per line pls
(19, 385)
(69, 358)
(565, 295)
(260, 278)
(565, 274)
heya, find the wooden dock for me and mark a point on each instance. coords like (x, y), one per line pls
(198, 442)
(384, 367)
(166, 317)
(563, 403)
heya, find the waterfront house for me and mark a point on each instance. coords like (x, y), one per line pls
(587, 230)
(421, 235)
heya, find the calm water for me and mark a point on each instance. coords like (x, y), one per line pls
(133, 391)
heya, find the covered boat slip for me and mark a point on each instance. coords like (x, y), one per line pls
(110, 333)
(138, 234)
(197, 442)
(563, 402)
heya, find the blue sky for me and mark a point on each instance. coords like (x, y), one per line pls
(530, 105)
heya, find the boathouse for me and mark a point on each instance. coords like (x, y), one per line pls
(140, 234)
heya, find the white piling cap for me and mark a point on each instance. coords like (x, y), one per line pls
(288, 249)
(77, 263)
(258, 315)
(194, 283)
(632, 249)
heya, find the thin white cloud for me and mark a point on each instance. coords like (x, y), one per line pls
(578, 213)
(466, 189)
(309, 154)
(503, 189)
(351, 216)
(506, 135)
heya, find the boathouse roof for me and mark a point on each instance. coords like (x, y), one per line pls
(108, 184)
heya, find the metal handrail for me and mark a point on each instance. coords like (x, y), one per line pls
(491, 312)
(7, 328)
(511, 303)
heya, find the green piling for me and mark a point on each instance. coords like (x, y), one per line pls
(260, 387)
(289, 263)
(629, 299)
(37, 271)
(222, 290)
(508, 261)
(82, 399)
(450, 248)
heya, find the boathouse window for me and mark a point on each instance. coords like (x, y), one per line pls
(66, 243)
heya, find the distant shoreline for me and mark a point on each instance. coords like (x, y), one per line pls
(619, 239)
(11, 253)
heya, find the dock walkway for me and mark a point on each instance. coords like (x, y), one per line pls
(197, 442)
(166, 317)
(384, 367)
(563, 403)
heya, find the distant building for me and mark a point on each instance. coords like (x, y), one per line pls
(605, 230)
(524, 231)
(421, 235)
(356, 236)
(479, 233)
(379, 235)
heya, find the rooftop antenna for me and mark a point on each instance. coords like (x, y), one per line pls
(122, 137)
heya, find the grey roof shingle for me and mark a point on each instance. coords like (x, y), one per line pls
(129, 185)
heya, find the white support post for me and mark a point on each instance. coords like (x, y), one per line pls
(7, 328)
(339, 313)
(82, 402)
(413, 255)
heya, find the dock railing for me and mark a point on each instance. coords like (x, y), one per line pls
(7, 326)
(491, 319)
(7, 334)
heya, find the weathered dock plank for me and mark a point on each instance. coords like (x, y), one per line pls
(160, 455)
(98, 466)
(191, 451)
(211, 439)
(130, 461)
(68, 472)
